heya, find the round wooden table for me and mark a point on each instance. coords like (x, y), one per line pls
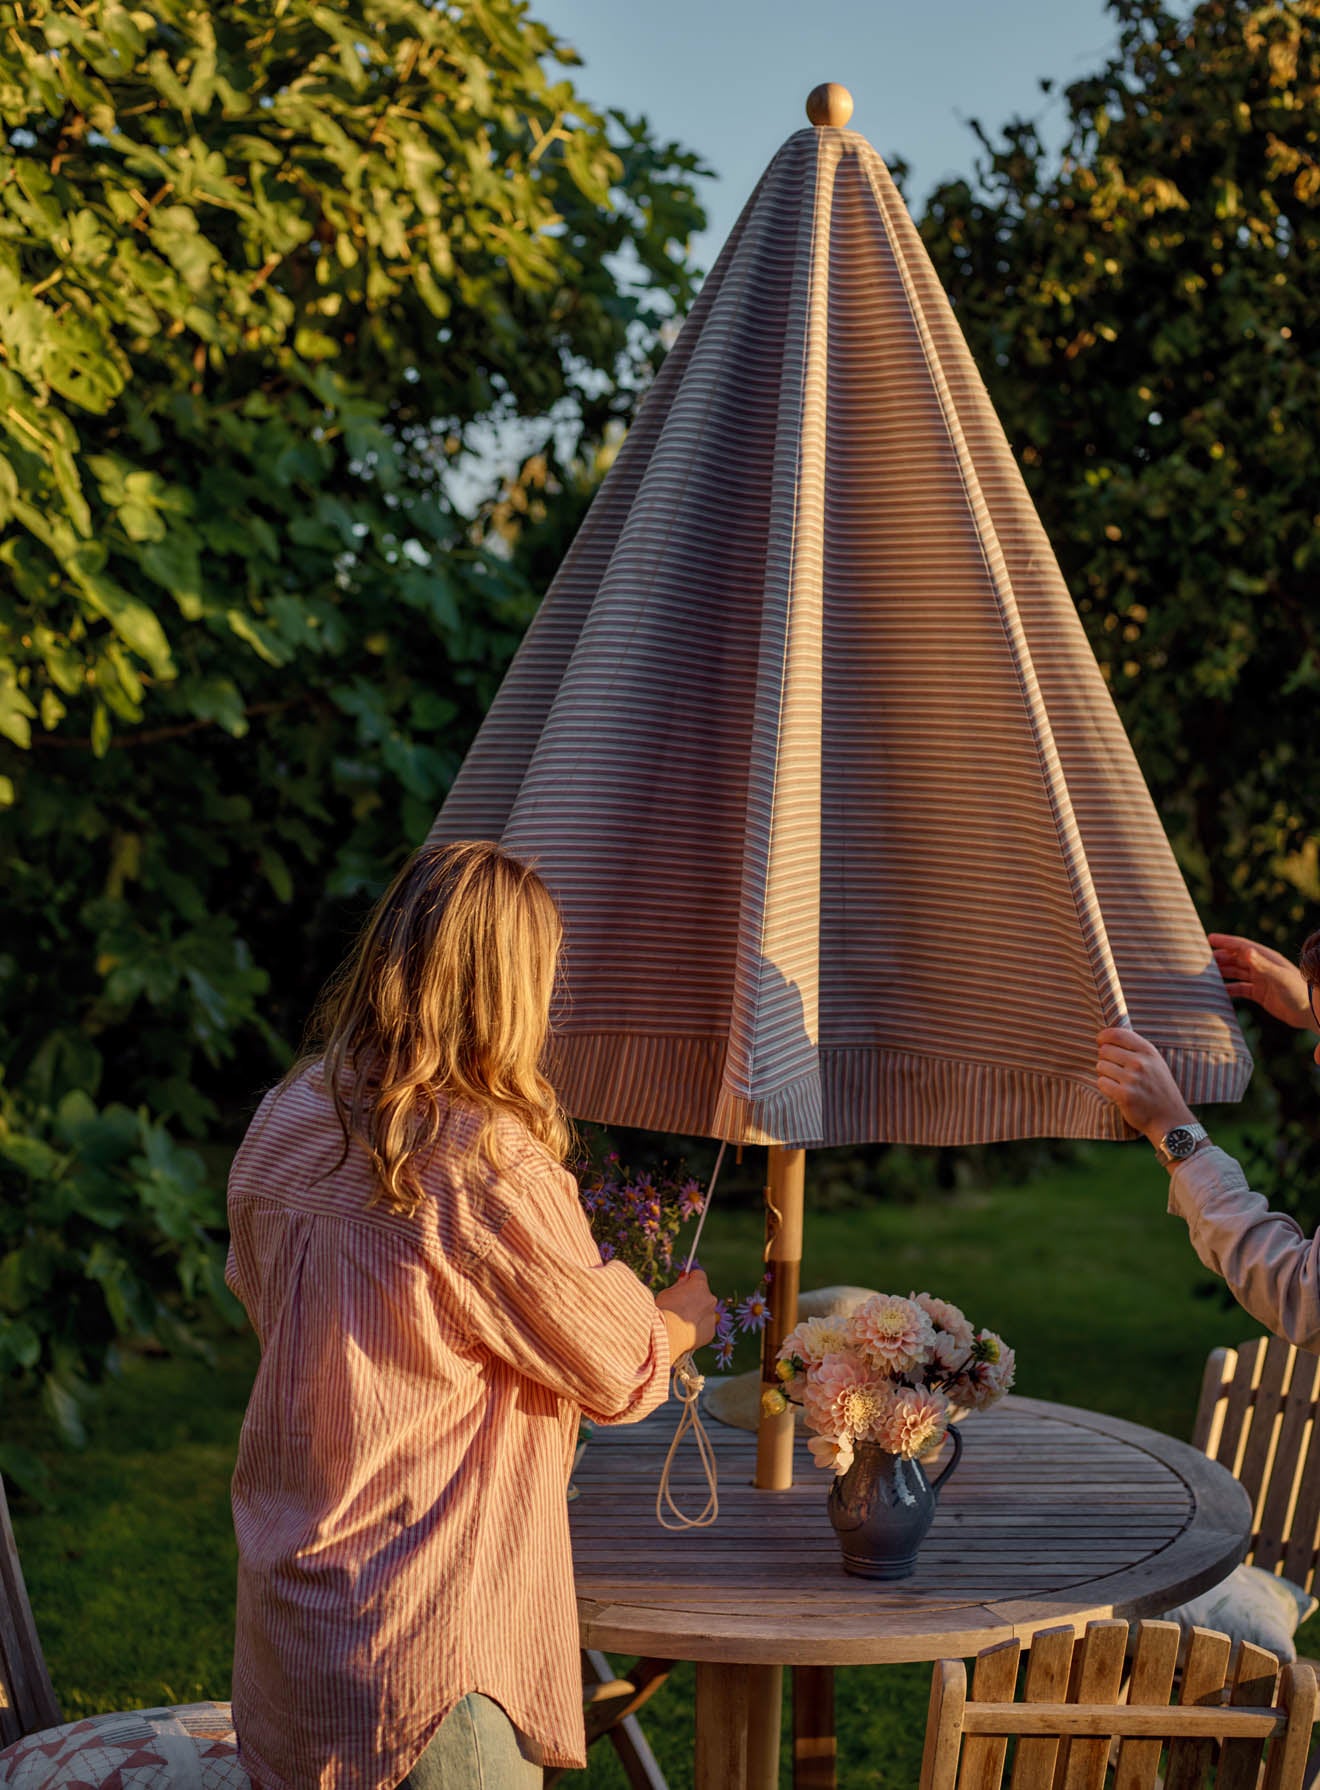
(1055, 1515)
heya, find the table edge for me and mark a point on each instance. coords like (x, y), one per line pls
(1223, 1535)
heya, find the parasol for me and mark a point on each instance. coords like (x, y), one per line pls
(809, 744)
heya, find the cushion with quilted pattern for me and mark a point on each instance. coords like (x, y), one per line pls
(188, 1748)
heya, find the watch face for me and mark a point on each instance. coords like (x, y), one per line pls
(1179, 1141)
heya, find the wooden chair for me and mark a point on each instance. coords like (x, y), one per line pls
(1070, 1728)
(27, 1696)
(1257, 1417)
(611, 1713)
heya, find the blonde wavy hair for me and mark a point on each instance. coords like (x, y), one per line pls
(443, 1004)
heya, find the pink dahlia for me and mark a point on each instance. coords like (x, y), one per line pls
(814, 1339)
(948, 1320)
(893, 1335)
(913, 1422)
(836, 1388)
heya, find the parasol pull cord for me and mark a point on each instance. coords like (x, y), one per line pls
(687, 1387)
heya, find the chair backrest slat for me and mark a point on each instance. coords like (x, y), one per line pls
(1048, 1667)
(1300, 1544)
(994, 1680)
(1279, 1495)
(944, 1720)
(1255, 1681)
(1263, 1426)
(1154, 1663)
(1097, 1677)
(1286, 1766)
(1208, 1430)
(1205, 1670)
(1239, 1391)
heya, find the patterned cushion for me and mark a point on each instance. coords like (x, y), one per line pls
(188, 1748)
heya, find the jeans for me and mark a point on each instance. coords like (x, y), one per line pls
(474, 1748)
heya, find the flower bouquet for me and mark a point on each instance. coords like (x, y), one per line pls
(637, 1219)
(879, 1389)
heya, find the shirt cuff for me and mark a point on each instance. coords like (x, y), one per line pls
(1207, 1172)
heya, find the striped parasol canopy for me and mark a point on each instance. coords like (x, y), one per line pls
(808, 741)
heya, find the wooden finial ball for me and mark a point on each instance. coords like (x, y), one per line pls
(830, 104)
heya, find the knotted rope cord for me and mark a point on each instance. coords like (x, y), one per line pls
(687, 1386)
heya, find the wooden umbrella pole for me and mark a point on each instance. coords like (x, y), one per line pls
(785, 1180)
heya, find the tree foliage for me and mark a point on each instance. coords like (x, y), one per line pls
(264, 268)
(1146, 312)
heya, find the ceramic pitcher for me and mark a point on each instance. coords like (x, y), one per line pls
(882, 1507)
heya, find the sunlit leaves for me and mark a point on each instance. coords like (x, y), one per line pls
(261, 269)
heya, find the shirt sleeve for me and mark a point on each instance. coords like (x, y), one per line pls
(232, 1280)
(539, 1297)
(1271, 1267)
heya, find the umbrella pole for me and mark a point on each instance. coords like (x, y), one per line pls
(785, 1179)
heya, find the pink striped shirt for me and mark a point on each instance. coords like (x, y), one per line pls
(399, 1491)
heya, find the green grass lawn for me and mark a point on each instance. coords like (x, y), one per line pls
(131, 1566)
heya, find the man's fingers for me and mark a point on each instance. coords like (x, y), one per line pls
(1116, 1052)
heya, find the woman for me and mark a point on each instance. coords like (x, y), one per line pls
(1270, 1266)
(433, 1317)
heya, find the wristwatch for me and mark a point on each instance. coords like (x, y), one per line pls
(1177, 1145)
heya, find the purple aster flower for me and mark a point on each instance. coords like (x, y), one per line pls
(691, 1200)
(607, 1252)
(754, 1311)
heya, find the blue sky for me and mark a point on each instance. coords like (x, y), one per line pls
(728, 77)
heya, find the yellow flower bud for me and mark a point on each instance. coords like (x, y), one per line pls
(784, 1369)
(773, 1402)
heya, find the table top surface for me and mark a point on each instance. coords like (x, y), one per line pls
(1055, 1515)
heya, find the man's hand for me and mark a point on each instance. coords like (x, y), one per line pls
(1253, 972)
(689, 1311)
(1140, 1083)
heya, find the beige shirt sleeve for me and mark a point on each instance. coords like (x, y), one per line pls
(1271, 1268)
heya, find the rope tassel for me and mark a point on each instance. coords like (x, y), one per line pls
(688, 1385)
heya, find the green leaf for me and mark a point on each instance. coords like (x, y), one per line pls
(258, 637)
(173, 561)
(16, 712)
(136, 624)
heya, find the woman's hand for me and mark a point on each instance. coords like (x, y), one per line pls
(1140, 1083)
(1253, 972)
(689, 1311)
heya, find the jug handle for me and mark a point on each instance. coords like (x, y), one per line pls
(944, 1472)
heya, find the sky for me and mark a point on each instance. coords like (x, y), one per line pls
(728, 78)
